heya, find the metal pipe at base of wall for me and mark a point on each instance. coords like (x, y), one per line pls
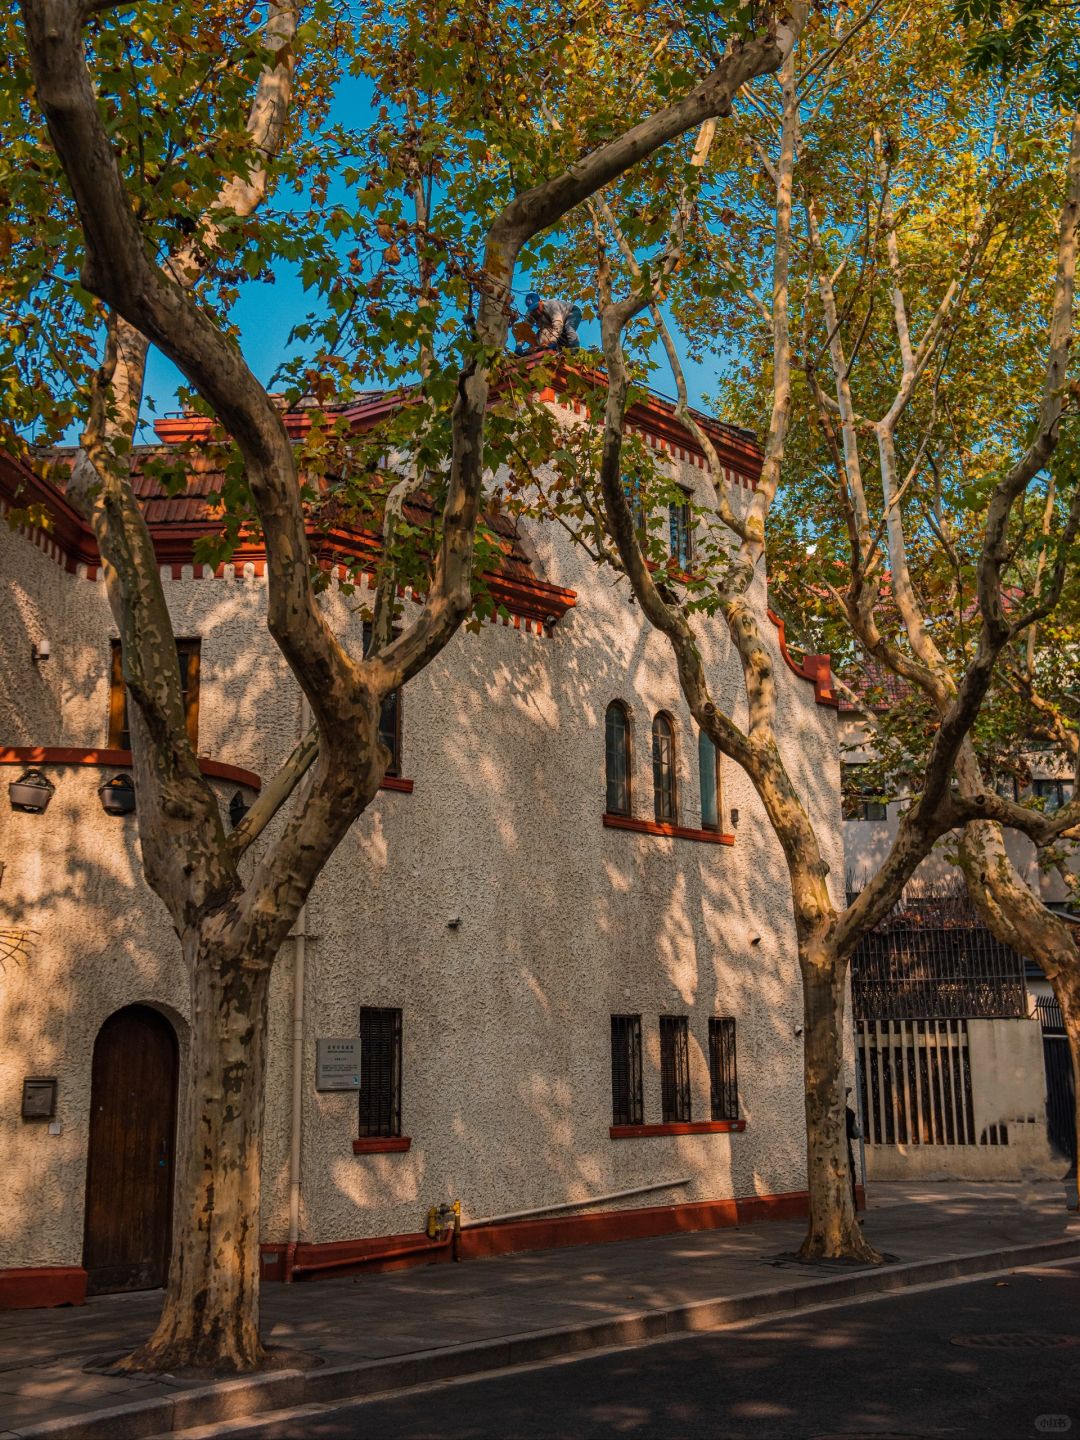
(575, 1204)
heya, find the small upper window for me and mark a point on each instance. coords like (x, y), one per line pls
(617, 758)
(636, 501)
(857, 801)
(1053, 793)
(188, 655)
(709, 771)
(663, 769)
(681, 545)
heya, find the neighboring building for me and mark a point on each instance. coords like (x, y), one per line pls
(563, 930)
(962, 1073)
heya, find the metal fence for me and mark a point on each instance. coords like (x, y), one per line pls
(933, 959)
(915, 1078)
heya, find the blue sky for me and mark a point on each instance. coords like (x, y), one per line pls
(265, 313)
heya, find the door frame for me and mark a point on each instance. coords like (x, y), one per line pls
(169, 1026)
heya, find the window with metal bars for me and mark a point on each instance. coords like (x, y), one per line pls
(723, 1075)
(380, 1071)
(389, 718)
(626, 1101)
(188, 656)
(617, 758)
(663, 769)
(674, 1068)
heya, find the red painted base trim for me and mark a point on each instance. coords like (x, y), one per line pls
(381, 1144)
(384, 1252)
(79, 755)
(372, 1256)
(675, 832)
(42, 1286)
(676, 1127)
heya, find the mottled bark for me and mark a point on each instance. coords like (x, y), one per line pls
(834, 1230)
(210, 1318)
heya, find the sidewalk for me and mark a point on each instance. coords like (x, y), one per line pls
(384, 1332)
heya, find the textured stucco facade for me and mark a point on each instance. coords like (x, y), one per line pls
(506, 1087)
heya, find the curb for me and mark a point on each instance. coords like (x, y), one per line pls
(284, 1389)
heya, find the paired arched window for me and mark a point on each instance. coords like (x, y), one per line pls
(617, 757)
(709, 771)
(663, 769)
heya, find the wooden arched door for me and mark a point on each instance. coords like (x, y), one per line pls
(129, 1172)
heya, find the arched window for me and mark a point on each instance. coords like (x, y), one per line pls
(617, 755)
(663, 769)
(709, 771)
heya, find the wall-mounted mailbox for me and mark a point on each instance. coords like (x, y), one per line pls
(337, 1064)
(39, 1097)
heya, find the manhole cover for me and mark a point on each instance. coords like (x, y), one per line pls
(1014, 1340)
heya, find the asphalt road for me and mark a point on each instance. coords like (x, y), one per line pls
(890, 1368)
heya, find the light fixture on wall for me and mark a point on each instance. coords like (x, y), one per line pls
(39, 651)
(734, 818)
(31, 792)
(118, 795)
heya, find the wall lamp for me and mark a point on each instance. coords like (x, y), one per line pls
(31, 792)
(118, 795)
(39, 651)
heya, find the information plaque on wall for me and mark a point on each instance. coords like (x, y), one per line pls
(337, 1064)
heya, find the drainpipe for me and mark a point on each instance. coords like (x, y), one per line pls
(299, 967)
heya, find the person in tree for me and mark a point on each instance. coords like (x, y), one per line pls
(547, 325)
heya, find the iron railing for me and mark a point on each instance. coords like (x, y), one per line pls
(933, 959)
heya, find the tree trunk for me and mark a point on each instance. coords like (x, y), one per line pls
(210, 1319)
(833, 1232)
(1066, 987)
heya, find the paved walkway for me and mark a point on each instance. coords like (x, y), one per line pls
(442, 1308)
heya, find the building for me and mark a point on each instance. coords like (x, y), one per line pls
(578, 1019)
(961, 1057)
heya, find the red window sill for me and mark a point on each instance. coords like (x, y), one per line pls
(395, 782)
(676, 832)
(381, 1144)
(680, 1127)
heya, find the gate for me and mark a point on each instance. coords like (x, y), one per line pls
(1060, 1093)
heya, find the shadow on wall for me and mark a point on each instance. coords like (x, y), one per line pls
(565, 924)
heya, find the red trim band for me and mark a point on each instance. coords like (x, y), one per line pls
(42, 1286)
(815, 668)
(381, 1144)
(80, 755)
(70, 539)
(675, 832)
(677, 1127)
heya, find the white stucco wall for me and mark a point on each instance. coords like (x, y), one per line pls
(506, 1075)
